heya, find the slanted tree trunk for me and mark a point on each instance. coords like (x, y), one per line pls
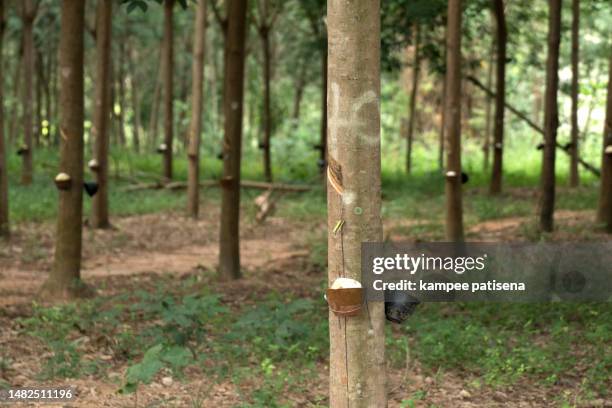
(65, 278)
(452, 124)
(500, 98)
(604, 212)
(29, 9)
(197, 82)
(99, 208)
(167, 67)
(357, 344)
(233, 102)
(574, 178)
(416, 67)
(4, 214)
(486, 147)
(551, 119)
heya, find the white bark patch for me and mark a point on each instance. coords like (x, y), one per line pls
(348, 197)
(338, 122)
(66, 72)
(234, 105)
(366, 98)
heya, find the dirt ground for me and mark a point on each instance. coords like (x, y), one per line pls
(141, 249)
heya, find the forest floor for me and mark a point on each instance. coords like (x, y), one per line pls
(242, 358)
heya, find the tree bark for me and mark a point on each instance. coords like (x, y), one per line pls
(452, 124)
(357, 344)
(441, 134)
(574, 178)
(233, 102)
(135, 100)
(4, 203)
(99, 208)
(193, 154)
(604, 212)
(154, 114)
(29, 8)
(551, 119)
(500, 97)
(120, 95)
(486, 147)
(413, 94)
(46, 84)
(167, 67)
(264, 35)
(17, 91)
(65, 278)
(54, 120)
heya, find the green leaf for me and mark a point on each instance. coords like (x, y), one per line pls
(177, 356)
(147, 368)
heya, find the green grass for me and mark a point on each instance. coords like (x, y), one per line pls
(501, 344)
(404, 195)
(175, 326)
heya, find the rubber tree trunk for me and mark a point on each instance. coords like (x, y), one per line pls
(14, 115)
(39, 98)
(120, 78)
(416, 68)
(500, 97)
(100, 130)
(28, 17)
(452, 124)
(604, 213)
(135, 101)
(4, 203)
(233, 103)
(154, 115)
(574, 178)
(486, 147)
(551, 119)
(167, 67)
(64, 280)
(357, 344)
(54, 119)
(197, 84)
(441, 134)
(264, 35)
